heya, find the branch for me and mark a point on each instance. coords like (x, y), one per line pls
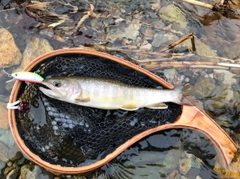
(198, 3)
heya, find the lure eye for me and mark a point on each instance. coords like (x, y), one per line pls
(14, 75)
(57, 83)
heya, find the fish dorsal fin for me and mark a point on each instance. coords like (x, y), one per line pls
(158, 106)
(82, 99)
(129, 107)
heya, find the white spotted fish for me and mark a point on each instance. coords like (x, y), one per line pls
(108, 94)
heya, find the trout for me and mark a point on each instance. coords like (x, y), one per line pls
(108, 94)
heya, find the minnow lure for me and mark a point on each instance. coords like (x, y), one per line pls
(18, 105)
(25, 76)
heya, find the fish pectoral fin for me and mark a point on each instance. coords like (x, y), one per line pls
(129, 107)
(82, 99)
(158, 106)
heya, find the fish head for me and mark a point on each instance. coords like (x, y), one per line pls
(58, 88)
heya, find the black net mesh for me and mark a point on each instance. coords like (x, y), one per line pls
(72, 135)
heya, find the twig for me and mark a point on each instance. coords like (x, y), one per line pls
(198, 3)
(221, 8)
(221, 2)
(156, 66)
(11, 9)
(89, 13)
(177, 42)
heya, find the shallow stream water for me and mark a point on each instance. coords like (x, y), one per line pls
(136, 30)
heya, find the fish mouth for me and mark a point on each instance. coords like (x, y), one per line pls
(49, 89)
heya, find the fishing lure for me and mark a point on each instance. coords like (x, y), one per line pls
(18, 105)
(25, 76)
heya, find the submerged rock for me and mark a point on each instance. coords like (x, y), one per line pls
(174, 15)
(203, 87)
(10, 54)
(158, 39)
(232, 171)
(35, 47)
(225, 77)
(201, 49)
(172, 159)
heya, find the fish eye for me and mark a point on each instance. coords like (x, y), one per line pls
(57, 83)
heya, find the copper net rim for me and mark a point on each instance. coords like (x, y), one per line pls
(72, 170)
(192, 118)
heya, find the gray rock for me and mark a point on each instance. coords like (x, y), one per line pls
(202, 50)
(38, 173)
(225, 77)
(10, 54)
(2, 165)
(170, 74)
(203, 87)
(130, 32)
(12, 174)
(172, 159)
(3, 152)
(146, 47)
(159, 39)
(35, 47)
(7, 139)
(185, 165)
(24, 170)
(173, 14)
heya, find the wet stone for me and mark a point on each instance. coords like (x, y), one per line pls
(159, 39)
(9, 163)
(203, 87)
(175, 15)
(21, 161)
(35, 47)
(185, 165)
(12, 174)
(3, 152)
(15, 153)
(8, 57)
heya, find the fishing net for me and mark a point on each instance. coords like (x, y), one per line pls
(72, 135)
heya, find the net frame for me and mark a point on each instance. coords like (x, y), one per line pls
(187, 119)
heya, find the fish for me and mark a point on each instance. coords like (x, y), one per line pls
(108, 94)
(29, 77)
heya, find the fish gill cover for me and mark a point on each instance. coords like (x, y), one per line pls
(73, 135)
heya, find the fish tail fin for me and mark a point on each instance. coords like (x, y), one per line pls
(183, 91)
